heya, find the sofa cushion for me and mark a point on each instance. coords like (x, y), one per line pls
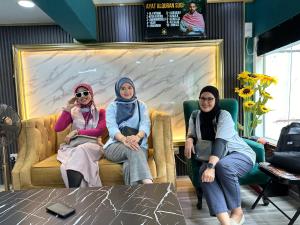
(47, 172)
(110, 173)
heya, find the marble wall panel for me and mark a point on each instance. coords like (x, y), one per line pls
(164, 76)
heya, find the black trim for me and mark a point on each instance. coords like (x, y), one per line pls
(284, 34)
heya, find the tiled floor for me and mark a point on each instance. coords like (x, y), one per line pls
(261, 215)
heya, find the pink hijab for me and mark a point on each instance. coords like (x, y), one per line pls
(92, 113)
(195, 19)
(89, 88)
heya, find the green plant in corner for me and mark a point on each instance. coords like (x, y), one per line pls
(254, 95)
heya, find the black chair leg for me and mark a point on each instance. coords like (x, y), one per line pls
(265, 201)
(261, 195)
(199, 196)
(292, 221)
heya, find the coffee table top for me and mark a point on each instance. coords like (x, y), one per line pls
(148, 204)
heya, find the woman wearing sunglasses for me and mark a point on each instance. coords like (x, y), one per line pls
(79, 164)
(230, 157)
(128, 125)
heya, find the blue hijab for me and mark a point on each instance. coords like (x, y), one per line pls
(125, 107)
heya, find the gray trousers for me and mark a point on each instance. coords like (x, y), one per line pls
(223, 194)
(135, 165)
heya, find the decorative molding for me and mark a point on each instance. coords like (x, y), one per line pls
(119, 4)
(227, 1)
(27, 24)
(142, 3)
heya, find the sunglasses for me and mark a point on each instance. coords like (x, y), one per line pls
(209, 99)
(83, 93)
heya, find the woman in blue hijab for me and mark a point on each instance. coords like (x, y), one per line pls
(128, 124)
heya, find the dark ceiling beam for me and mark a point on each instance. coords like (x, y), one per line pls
(77, 17)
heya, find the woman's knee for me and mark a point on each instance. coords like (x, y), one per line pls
(137, 154)
(222, 168)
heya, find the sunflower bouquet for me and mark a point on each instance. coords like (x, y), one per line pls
(254, 94)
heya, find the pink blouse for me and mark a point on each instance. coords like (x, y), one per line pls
(65, 120)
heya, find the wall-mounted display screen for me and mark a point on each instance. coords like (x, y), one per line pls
(175, 19)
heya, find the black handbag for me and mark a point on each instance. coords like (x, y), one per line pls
(287, 152)
(286, 160)
(289, 139)
(128, 131)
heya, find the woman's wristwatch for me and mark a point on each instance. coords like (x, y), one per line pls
(210, 166)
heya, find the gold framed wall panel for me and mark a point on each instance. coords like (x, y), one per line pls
(165, 74)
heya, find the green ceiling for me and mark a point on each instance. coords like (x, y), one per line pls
(267, 14)
(77, 17)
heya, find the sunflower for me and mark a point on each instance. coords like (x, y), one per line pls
(246, 92)
(243, 75)
(254, 76)
(268, 80)
(236, 90)
(266, 95)
(249, 104)
(264, 109)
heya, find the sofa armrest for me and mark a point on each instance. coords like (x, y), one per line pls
(15, 174)
(257, 148)
(33, 141)
(161, 130)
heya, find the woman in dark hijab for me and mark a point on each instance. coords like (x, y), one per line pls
(230, 157)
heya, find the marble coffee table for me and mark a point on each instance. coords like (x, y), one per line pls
(148, 204)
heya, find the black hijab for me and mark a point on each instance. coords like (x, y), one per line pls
(206, 118)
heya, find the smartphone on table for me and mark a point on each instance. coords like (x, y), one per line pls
(60, 210)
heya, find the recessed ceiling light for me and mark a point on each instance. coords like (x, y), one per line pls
(27, 4)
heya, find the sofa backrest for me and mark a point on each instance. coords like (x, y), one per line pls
(228, 104)
(42, 129)
(60, 136)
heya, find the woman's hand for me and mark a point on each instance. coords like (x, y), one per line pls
(189, 148)
(71, 103)
(131, 143)
(208, 175)
(133, 138)
(70, 135)
(99, 141)
(7, 121)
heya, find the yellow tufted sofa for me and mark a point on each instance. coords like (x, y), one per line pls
(37, 167)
